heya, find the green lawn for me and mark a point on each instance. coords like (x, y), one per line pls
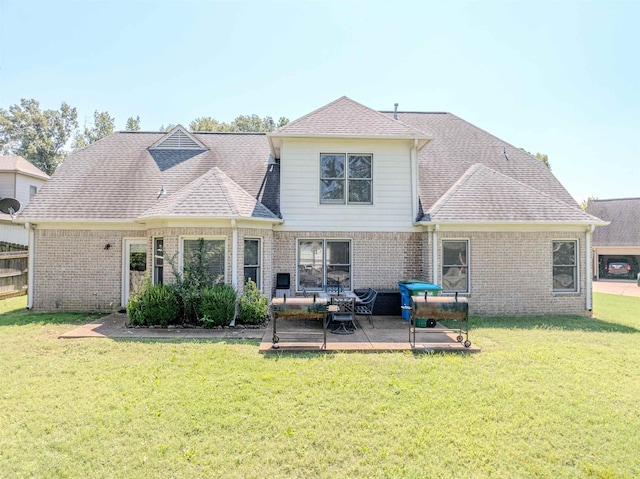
(547, 397)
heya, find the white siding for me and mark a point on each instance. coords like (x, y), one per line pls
(23, 184)
(7, 185)
(300, 185)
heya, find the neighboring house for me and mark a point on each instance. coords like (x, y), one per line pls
(20, 180)
(618, 242)
(344, 194)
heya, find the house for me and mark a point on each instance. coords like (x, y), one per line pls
(20, 180)
(619, 241)
(343, 194)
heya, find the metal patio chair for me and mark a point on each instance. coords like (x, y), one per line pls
(365, 306)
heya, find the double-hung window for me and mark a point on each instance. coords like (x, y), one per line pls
(252, 260)
(455, 268)
(158, 260)
(565, 266)
(346, 178)
(204, 258)
(322, 262)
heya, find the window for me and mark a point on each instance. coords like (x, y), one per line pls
(323, 262)
(455, 268)
(252, 260)
(565, 266)
(204, 257)
(158, 260)
(32, 191)
(351, 182)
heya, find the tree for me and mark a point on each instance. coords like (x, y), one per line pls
(103, 125)
(242, 123)
(206, 123)
(544, 159)
(36, 135)
(585, 203)
(133, 124)
(169, 127)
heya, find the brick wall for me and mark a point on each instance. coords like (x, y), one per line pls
(379, 259)
(74, 271)
(511, 273)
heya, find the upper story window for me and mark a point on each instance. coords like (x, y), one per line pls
(346, 178)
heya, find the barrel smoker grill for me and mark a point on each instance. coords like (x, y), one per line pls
(428, 310)
(298, 308)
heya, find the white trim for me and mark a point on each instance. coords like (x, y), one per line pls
(577, 259)
(31, 264)
(434, 252)
(324, 249)
(413, 162)
(345, 202)
(181, 239)
(126, 255)
(468, 265)
(234, 254)
(588, 275)
(510, 226)
(260, 256)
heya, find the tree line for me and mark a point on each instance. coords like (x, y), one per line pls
(41, 136)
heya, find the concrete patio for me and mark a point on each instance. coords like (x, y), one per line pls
(391, 333)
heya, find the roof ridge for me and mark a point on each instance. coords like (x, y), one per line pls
(297, 120)
(442, 201)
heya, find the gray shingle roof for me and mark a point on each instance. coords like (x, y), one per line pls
(624, 215)
(118, 178)
(483, 195)
(345, 117)
(17, 164)
(213, 194)
(458, 145)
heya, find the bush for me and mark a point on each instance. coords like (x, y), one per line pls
(156, 304)
(253, 304)
(218, 305)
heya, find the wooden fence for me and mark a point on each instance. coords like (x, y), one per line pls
(13, 273)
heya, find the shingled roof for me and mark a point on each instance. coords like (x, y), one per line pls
(624, 215)
(17, 164)
(213, 194)
(483, 195)
(118, 178)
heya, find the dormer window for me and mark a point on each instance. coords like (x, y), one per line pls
(346, 178)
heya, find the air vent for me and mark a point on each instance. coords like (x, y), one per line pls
(178, 139)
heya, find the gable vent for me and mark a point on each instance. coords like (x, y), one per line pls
(179, 139)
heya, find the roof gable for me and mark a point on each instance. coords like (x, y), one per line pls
(345, 118)
(482, 195)
(178, 139)
(213, 195)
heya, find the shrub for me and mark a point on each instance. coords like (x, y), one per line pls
(253, 304)
(218, 304)
(156, 304)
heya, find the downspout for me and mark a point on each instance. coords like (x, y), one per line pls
(414, 180)
(435, 253)
(31, 263)
(234, 264)
(234, 254)
(588, 274)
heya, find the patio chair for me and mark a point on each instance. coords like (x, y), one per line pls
(335, 288)
(364, 297)
(365, 307)
(344, 315)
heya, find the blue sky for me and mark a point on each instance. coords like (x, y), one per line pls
(561, 77)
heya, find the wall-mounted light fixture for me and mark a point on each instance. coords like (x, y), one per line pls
(107, 246)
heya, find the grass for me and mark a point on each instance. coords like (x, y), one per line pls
(548, 397)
